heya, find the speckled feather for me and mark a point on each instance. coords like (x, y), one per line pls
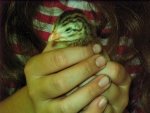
(72, 28)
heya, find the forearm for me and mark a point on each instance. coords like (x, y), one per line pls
(17, 103)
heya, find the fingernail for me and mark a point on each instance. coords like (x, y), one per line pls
(102, 102)
(100, 61)
(103, 81)
(97, 48)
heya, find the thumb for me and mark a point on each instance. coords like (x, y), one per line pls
(49, 46)
(52, 45)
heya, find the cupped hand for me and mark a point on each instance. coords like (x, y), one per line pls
(116, 96)
(53, 73)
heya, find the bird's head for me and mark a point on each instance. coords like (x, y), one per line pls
(70, 26)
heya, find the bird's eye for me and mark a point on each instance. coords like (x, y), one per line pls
(68, 29)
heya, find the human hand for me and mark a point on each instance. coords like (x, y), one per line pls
(115, 98)
(117, 93)
(53, 73)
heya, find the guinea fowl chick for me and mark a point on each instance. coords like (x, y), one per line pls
(72, 28)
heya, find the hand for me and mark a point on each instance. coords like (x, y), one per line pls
(117, 94)
(115, 98)
(53, 73)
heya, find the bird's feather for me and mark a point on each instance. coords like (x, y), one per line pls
(72, 28)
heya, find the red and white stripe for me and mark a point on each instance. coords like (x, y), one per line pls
(50, 10)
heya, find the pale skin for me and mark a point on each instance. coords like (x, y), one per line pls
(53, 73)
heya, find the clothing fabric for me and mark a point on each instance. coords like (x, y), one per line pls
(43, 23)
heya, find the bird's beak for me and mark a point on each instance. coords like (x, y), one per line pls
(54, 36)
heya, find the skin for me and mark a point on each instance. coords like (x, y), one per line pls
(19, 102)
(48, 78)
(53, 73)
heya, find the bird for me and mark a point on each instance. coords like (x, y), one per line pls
(72, 28)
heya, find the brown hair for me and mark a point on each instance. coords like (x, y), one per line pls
(125, 17)
(133, 18)
(16, 20)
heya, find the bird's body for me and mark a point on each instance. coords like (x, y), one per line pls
(72, 28)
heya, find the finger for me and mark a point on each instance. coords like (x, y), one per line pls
(109, 109)
(113, 93)
(119, 94)
(116, 72)
(86, 94)
(122, 102)
(50, 62)
(54, 45)
(98, 105)
(48, 47)
(70, 77)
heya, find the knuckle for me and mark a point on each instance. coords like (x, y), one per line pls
(66, 108)
(63, 109)
(28, 66)
(33, 95)
(60, 59)
(92, 91)
(88, 68)
(58, 85)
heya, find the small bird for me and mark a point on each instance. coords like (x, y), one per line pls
(72, 28)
